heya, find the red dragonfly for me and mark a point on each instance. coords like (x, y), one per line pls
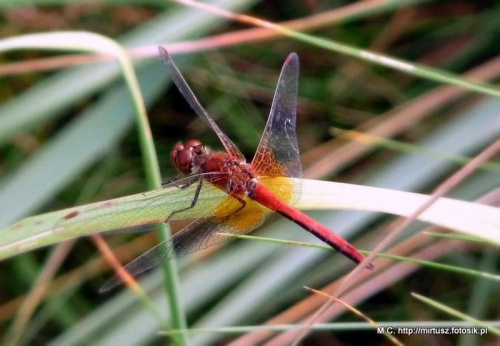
(271, 182)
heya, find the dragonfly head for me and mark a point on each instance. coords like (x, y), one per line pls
(185, 156)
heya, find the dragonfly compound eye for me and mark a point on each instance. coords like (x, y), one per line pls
(183, 160)
(195, 146)
(182, 157)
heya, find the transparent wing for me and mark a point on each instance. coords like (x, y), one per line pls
(183, 87)
(144, 212)
(199, 234)
(278, 151)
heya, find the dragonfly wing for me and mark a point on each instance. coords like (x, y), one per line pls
(183, 87)
(141, 214)
(194, 234)
(199, 234)
(278, 151)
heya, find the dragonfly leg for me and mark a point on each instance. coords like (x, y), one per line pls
(171, 181)
(193, 202)
(242, 201)
(243, 204)
(174, 182)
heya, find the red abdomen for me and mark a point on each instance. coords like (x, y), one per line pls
(264, 196)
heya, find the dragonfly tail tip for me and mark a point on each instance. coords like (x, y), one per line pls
(108, 286)
(163, 52)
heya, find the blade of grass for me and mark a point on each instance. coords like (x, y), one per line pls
(419, 70)
(341, 15)
(456, 313)
(482, 294)
(424, 263)
(403, 118)
(472, 218)
(372, 140)
(83, 41)
(337, 327)
(460, 237)
(21, 3)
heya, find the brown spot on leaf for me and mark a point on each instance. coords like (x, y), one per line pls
(72, 215)
(107, 204)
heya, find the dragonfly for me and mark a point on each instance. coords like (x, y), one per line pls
(271, 182)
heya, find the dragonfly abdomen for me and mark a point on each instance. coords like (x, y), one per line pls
(264, 196)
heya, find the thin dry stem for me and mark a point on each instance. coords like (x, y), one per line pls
(113, 261)
(356, 312)
(75, 278)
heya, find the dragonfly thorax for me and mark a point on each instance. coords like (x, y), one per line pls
(228, 173)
